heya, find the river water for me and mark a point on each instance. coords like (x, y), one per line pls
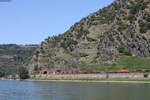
(27, 90)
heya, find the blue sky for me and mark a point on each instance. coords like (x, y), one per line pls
(31, 21)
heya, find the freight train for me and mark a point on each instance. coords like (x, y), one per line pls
(83, 72)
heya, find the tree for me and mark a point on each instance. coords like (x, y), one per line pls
(23, 73)
(2, 74)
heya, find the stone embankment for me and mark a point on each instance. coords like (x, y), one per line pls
(94, 76)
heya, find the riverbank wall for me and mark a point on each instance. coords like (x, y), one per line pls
(94, 76)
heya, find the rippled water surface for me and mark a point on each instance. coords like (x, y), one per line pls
(24, 90)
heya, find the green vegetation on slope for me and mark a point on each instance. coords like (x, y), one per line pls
(135, 63)
(13, 56)
(132, 63)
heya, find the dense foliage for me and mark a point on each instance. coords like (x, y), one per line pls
(23, 73)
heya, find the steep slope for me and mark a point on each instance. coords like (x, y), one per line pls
(13, 56)
(121, 29)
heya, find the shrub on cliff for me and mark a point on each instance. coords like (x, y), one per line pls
(23, 73)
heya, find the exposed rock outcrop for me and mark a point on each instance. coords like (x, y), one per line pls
(122, 28)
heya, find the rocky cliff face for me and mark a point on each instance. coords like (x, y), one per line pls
(122, 28)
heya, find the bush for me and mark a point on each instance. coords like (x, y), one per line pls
(81, 33)
(145, 75)
(140, 5)
(2, 74)
(83, 54)
(23, 73)
(130, 17)
(147, 17)
(91, 39)
(124, 50)
(144, 26)
(68, 43)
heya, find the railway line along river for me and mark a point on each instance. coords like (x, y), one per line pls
(48, 90)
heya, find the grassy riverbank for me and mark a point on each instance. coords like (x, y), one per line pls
(90, 79)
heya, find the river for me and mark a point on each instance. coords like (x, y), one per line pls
(28, 90)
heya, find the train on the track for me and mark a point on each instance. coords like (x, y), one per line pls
(46, 71)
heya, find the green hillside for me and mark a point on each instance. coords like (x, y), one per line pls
(13, 56)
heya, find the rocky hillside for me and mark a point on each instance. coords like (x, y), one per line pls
(13, 56)
(121, 29)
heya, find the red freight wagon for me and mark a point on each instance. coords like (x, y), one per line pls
(123, 71)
